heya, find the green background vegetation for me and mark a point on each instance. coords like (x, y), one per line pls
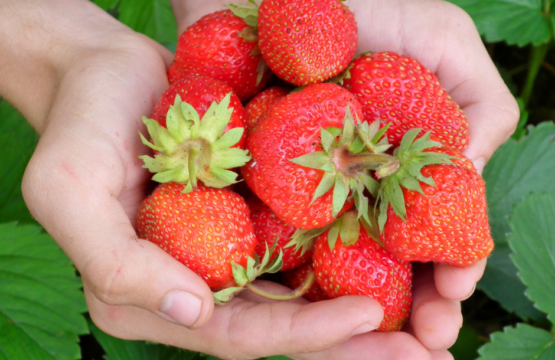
(511, 316)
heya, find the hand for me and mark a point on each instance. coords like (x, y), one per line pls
(444, 39)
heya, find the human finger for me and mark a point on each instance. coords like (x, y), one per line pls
(246, 330)
(435, 320)
(458, 283)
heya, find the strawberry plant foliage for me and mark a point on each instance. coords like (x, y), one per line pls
(40, 298)
(524, 342)
(533, 244)
(516, 169)
(509, 20)
(118, 349)
(18, 140)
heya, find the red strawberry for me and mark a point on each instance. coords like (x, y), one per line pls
(262, 102)
(295, 278)
(306, 41)
(222, 46)
(442, 215)
(267, 227)
(201, 91)
(364, 268)
(278, 173)
(197, 134)
(400, 91)
(204, 229)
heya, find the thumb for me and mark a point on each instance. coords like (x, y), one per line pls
(92, 227)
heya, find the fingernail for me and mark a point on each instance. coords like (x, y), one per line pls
(181, 307)
(364, 328)
(471, 292)
(479, 164)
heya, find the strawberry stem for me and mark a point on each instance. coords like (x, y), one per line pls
(298, 292)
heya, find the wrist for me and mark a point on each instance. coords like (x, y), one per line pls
(44, 40)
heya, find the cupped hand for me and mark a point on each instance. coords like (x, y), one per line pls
(444, 39)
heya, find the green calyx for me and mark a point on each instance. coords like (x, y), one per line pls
(244, 276)
(346, 227)
(412, 158)
(249, 13)
(348, 156)
(191, 149)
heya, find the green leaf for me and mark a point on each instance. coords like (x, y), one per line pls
(521, 343)
(533, 245)
(118, 349)
(40, 297)
(466, 347)
(520, 130)
(509, 20)
(18, 140)
(516, 169)
(154, 18)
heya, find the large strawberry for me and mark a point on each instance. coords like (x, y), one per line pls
(204, 229)
(347, 261)
(400, 91)
(270, 230)
(306, 159)
(261, 103)
(209, 231)
(304, 41)
(221, 46)
(433, 208)
(197, 132)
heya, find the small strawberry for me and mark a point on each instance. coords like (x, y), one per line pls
(261, 103)
(309, 159)
(295, 278)
(434, 212)
(400, 91)
(209, 231)
(270, 230)
(221, 46)
(198, 138)
(347, 261)
(303, 41)
(204, 229)
(201, 92)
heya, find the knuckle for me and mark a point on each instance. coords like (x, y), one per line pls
(104, 275)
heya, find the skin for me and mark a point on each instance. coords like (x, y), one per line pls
(83, 81)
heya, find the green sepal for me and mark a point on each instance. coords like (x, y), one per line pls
(340, 193)
(328, 180)
(348, 135)
(356, 148)
(304, 239)
(229, 139)
(224, 296)
(254, 269)
(412, 159)
(327, 139)
(215, 120)
(313, 160)
(345, 74)
(190, 150)
(240, 274)
(349, 230)
(333, 233)
(249, 13)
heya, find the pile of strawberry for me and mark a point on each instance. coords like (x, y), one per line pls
(353, 166)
